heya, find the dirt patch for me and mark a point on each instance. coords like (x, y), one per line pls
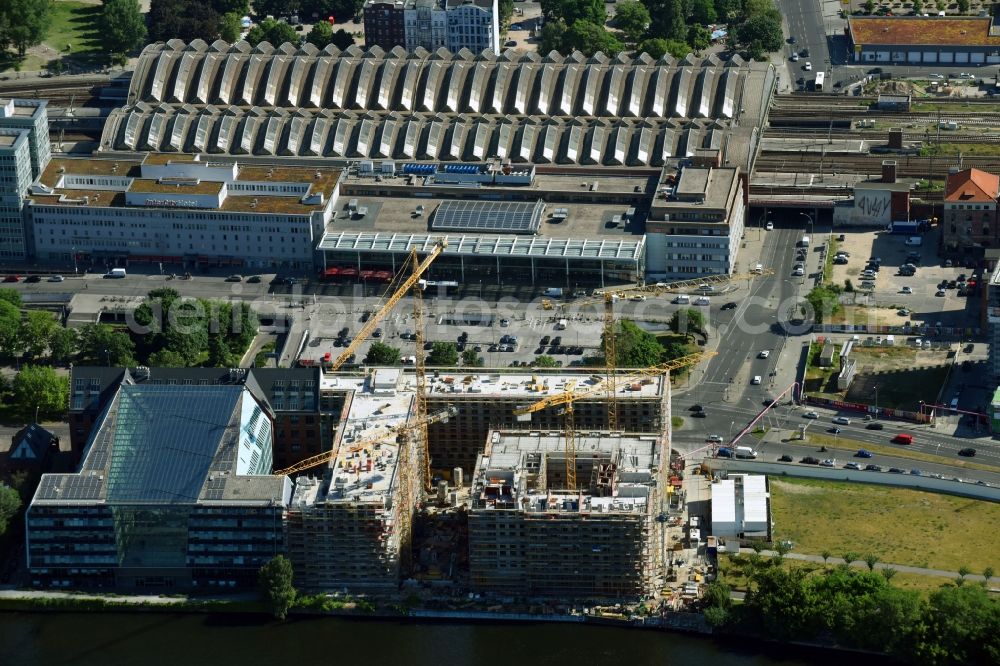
(795, 489)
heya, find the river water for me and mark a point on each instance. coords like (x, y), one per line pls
(168, 639)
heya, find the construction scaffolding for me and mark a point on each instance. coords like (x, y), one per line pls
(528, 535)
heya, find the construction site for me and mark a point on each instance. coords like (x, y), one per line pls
(529, 534)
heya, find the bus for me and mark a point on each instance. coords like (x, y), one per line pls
(820, 76)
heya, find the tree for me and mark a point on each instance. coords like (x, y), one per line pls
(918, 6)
(340, 10)
(699, 37)
(38, 388)
(63, 344)
(633, 19)
(443, 353)
(10, 504)
(55, 67)
(963, 6)
(276, 7)
(849, 557)
(571, 11)
(471, 359)
(219, 354)
(963, 571)
(239, 7)
(888, 573)
(10, 329)
(703, 12)
(101, 344)
(657, 47)
(869, 6)
(545, 361)
(727, 10)
(871, 559)
(276, 585)
(382, 354)
(635, 347)
(825, 554)
(230, 27)
(37, 330)
(23, 23)
(668, 19)
(11, 296)
(182, 19)
(987, 575)
(320, 34)
(941, 5)
(589, 38)
(686, 320)
(824, 301)
(553, 33)
(761, 34)
(123, 28)
(506, 10)
(959, 625)
(342, 39)
(167, 358)
(274, 32)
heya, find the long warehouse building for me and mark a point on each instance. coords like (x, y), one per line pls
(522, 107)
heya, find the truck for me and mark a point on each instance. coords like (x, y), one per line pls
(804, 242)
(745, 452)
(561, 324)
(909, 227)
(555, 292)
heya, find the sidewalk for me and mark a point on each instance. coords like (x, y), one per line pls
(879, 565)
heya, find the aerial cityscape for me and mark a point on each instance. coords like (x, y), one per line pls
(464, 323)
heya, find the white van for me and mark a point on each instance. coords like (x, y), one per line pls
(117, 273)
(561, 325)
(703, 300)
(682, 299)
(745, 452)
(804, 242)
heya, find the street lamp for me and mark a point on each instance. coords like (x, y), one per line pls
(812, 228)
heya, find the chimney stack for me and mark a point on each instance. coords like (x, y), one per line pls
(896, 138)
(888, 171)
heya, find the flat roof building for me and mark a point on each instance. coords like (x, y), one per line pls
(24, 154)
(179, 209)
(174, 492)
(531, 534)
(695, 224)
(741, 507)
(926, 40)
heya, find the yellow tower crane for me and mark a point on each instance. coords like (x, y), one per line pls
(386, 307)
(609, 386)
(367, 442)
(610, 296)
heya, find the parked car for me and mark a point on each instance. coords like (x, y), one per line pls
(12, 278)
(829, 462)
(714, 438)
(896, 470)
(916, 472)
(254, 279)
(873, 468)
(234, 278)
(785, 458)
(809, 460)
(852, 465)
(34, 278)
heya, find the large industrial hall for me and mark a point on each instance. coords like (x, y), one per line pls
(522, 107)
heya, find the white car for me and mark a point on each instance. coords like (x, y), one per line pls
(764, 354)
(811, 415)
(638, 298)
(57, 278)
(714, 438)
(770, 226)
(906, 290)
(795, 57)
(842, 420)
(935, 76)
(809, 66)
(829, 462)
(755, 380)
(703, 300)
(798, 272)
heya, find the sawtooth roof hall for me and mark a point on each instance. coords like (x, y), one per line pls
(301, 101)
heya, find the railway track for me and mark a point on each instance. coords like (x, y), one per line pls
(910, 166)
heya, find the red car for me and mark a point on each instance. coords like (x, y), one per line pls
(12, 278)
(903, 438)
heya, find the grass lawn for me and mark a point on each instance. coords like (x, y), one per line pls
(676, 422)
(967, 149)
(900, 526)
(72, 32)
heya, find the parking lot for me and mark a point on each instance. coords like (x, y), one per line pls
(922, 302)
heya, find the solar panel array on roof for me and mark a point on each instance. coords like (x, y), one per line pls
(507, 217)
